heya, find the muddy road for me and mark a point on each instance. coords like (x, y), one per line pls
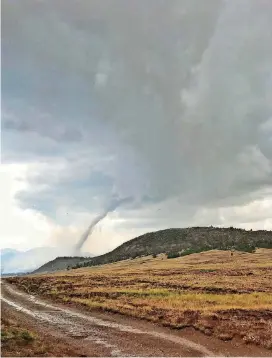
(101, 334)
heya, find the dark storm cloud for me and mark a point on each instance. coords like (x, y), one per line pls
(181, 92)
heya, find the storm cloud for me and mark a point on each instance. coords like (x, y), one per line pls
(165, 101)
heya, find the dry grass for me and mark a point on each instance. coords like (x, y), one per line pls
(213, 291)
(21, 338)
(16, 341)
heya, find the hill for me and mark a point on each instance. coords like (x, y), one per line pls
(178, 242)
(174, 242)
(61, 263)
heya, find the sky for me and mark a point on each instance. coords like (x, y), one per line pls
(163, 101)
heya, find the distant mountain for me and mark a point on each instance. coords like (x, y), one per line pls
(6, 256)
(15, 261)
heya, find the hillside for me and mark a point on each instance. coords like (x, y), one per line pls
(172, 241)
(187, 240)
(60, 263)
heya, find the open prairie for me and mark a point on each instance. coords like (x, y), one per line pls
(222, 295)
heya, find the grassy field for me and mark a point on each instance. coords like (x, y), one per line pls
(216, 293)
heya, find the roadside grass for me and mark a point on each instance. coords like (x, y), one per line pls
(11, 334)
(18, 341)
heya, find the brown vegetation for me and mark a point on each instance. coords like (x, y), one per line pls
(22, 342)
(217, 293)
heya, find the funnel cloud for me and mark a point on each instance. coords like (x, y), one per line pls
(113, 205)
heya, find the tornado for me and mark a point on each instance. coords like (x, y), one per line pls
(96, 220)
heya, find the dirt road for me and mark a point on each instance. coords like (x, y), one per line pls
(94, 334)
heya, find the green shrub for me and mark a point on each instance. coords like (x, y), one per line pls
(27, 336)
(172, 255)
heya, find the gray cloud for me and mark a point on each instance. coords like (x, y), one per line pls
(178, 95)
(45, 129)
